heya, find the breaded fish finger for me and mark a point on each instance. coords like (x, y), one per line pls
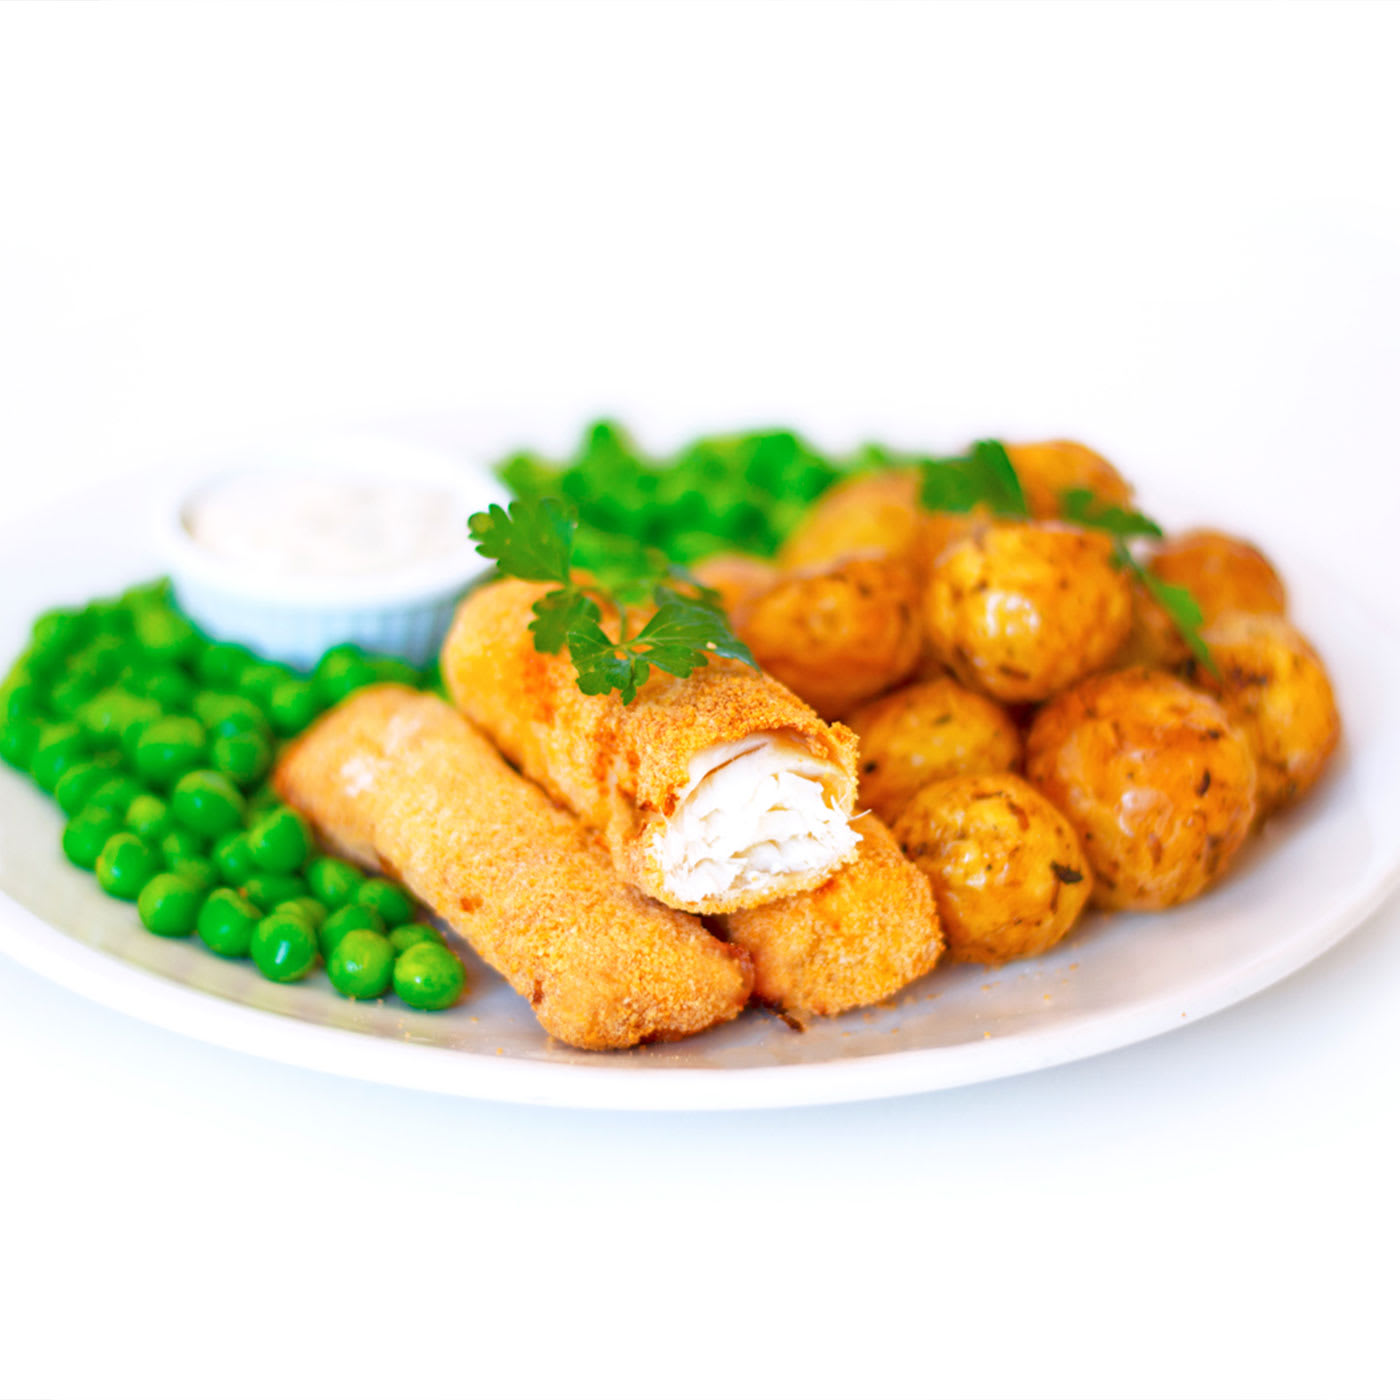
(717, 792)
(870, 930)
(400, 782)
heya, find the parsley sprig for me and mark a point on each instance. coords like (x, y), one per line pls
(534, 540)
(1082, 507)
(984, 476)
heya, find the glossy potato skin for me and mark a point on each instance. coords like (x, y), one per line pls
(839, 637)
(1158, 784)
(924, 732)
(1047, 469)
(1277, 693)
(1221, 572)
(1008, 873)
(737, 578)
(868, 515)
(1021, 610)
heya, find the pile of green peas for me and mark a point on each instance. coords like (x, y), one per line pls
(157, 742)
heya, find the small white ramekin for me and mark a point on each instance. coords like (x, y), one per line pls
(401, 613)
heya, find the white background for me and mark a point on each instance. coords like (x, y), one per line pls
(1174, 232)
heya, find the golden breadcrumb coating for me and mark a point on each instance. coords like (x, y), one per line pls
(870, 930)
(921, 733)
(1007, 870)
(1156, 781)
(1048, 469)
(840, 636)
(1277, 693)
(400, 782)
(622, 769)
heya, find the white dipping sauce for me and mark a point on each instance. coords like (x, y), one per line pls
(316, 527)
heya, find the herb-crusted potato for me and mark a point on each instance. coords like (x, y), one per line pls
(1048, 469)
(1154, 778)
(736, 577)
(1276, 691)
(1022, 610)
(921, 733)
(1222, 573)
(874, 514)
(1007, 871)
(839, 637)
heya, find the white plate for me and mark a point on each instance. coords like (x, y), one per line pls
(1311, 879)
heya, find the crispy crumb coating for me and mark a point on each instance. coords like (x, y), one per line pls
(622, 768)
(400, 782)
(1007, 870)
(1156, 781)
(870, 930)
(927, 731)
(839, 636)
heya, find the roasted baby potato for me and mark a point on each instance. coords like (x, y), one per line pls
(868, 515)
(940, 529)
(735, 577)
(1223, 574)
(1048, 469)
(840, 637)
(1153, 639)
(1154, 778)
(1007, 870)
(921, 733)
(1276, 691)
(1022, 610)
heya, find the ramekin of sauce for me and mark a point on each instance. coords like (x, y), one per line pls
(350, 540)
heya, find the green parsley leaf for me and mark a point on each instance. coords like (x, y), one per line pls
(683, 632)
(984, 476)
(561, 613)
(602, 664)
(531, 540)
(1080, 506)
(1176, 601)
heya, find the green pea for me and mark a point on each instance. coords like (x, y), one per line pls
(268, 891)
(361, 965)
(344, 679)
(126, 863)
(168, 748)
(391, 903)
(396, 670)
(75, 788)
(243, 758)
(293, 705)
(262, 678)
(348, 920)
(153, 592)
(58, 631)
(70, 695)
(85, 836)
(148, 817)
(109, 615)
(208, 803)
(429, 977)
(108, 712)
(22, 700)
(198, 870)
(234, 858)
(222, 663)
(262, 801)
(171, 689)
(226, 923)
(18, 740)
(170, 905)
(283, 947)
(333, 882)
(229, 714)
(312, 910)
(100, 660)
(163, 634)
(281, 841)
(59, 747)
(178, 845)
(407, 935)
(117, 792)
